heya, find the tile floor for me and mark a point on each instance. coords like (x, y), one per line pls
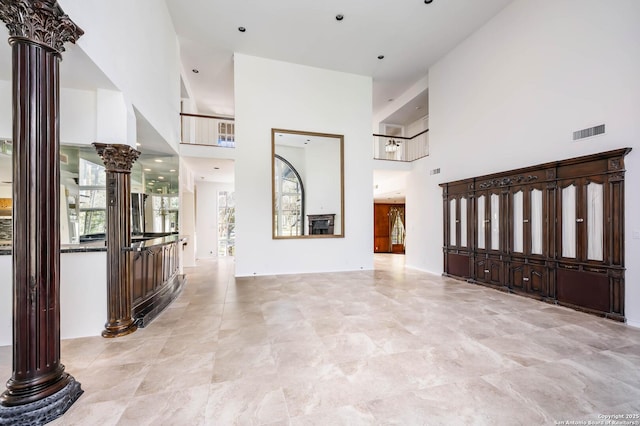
(383, 347)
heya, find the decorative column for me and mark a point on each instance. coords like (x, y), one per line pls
(39, 390)
(118, 160)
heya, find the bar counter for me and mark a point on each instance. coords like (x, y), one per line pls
(83, 284)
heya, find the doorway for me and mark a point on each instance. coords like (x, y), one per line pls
(389, 228)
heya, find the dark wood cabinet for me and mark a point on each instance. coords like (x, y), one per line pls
(459, 232)
(553, 231)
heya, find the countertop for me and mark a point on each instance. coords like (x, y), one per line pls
(100, 245)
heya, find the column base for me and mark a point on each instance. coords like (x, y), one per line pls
(42, 411)
(119, 330)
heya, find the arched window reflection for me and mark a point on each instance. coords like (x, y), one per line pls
(289, 199)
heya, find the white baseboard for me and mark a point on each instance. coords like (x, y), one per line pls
(634, 324)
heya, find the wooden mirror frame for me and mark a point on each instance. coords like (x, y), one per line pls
(339, 214)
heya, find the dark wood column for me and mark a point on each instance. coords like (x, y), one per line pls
(118, 160)
(39, 389)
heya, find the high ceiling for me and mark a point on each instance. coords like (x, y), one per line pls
(411, 35)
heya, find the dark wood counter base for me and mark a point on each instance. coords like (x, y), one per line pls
(147, 311)
(156, 277)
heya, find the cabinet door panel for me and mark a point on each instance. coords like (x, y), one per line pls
(581, 288)
(463, 222)
(495, 272)
(481, 224)
(536, 280)
(458, 264)
(568, 211)
(595, 221)
(495, 222)
(518, 221)
(536, 221)
(453, 222)
(481, 270)
(518, 276)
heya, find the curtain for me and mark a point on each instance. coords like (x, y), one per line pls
(536, 221)
(463, 222)
(481, 238)
(595, 232)
(397, 226)
(518, 230)
(569, 221)
(452, 222)
(495, 222)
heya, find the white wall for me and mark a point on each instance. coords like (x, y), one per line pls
(112, 117)
(320, 173)
(188, 228)
(135, 46)
(6, 111)
(322, 179)
(6, 300)
(77, 114)
(83, 295)
(512, 94)
(207, 217)
(187, 215)
(272, 94)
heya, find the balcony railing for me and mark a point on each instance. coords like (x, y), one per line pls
(400, 148)
(210, 130)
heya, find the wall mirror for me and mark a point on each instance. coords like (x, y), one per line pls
(307, 184)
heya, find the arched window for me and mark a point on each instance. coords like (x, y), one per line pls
(289, 199)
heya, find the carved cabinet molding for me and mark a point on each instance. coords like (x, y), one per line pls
(554, 231)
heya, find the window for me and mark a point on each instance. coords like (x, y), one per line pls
(92, 199)
(226, 134)
(165, 212)
(289, 199)
(226, 223)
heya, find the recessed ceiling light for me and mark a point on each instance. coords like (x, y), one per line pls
(380, 56)
(138, 144)
(158, 161)
(339, 17)
(195, 70)
(172, 170)
(242, 29)
(147, 170)
(161, 177)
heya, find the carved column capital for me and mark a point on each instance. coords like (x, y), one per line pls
(39, 21)
(117, 158)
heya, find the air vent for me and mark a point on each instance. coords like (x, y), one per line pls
(587, 133)
(435, 171)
